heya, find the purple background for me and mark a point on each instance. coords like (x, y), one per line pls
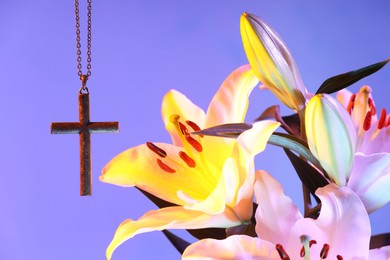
(141, 49)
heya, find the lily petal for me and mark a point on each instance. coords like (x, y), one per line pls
(382, 253)
(276, 214)
(331, 136)
(272, 62)
(370, 179)
(177, 104)
(233, 247)
(139, 166)
(167, 218)
(342, 218)
(230, 103)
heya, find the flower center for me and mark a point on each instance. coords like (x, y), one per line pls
(305, 251)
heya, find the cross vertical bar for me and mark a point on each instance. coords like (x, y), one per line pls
(85, 146)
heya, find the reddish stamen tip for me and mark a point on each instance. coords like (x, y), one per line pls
(183, 129)
(372, 106)
(324, 251)
(187, 159)
(197, 146)
(312, 242)
(351, 103)
(194, 126)
(157, 150)
(282, 253)
(367, 121)
(165, 167)
(382, 119)
(339, 257)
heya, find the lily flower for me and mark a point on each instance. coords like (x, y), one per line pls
(334, 140)
(284, 234)
(373, 132)
(209, 179)
(272, 61)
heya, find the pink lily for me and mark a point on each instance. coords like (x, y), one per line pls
(342, 230)
(210, 179)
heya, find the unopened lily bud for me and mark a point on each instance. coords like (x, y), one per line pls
(331, 136)
(272, 62)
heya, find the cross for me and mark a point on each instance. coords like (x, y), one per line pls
(84, 128)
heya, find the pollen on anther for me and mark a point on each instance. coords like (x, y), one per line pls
(197, 146)
(351, 103)
(183, 129)
(282, 253)
(367, 121)
(157, 150)
(372, 106)
(324, 251)
(194, 126)
(187, 159)
(339, 257)
(382, 119)
(165, 167)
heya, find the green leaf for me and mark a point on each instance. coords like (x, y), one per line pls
(295, 144)
(179, 243)
(342, 81)
(225, 130)
(381, 240)
(307, 174)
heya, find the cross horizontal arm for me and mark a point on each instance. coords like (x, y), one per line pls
(66, 128)
(103, 127)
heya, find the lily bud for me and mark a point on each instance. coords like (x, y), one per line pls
(331, 136)
(272, 62)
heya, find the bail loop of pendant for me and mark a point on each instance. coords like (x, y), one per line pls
(84, 89)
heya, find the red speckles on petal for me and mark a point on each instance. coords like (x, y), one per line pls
(165, 167)
(157, 150)
(187, 159)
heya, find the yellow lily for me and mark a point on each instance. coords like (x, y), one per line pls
(272, 61)
(210, 179)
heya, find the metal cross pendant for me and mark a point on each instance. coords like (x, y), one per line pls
(84, 128)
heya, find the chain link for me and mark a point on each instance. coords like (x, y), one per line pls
(89, 40)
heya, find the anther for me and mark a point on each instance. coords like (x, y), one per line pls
(194, 126)
(187, 159)
(382, 119)
(157, 150)
(339, 257)
(282, 253)
(351, 103)
(372, 106)
(324, 251)
(197, 146)
(367, 121)
(165, 167)
(183, 129)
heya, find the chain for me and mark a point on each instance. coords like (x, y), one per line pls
(84, 77)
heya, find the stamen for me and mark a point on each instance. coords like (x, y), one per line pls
(197, 146)
(311, 242)
(372, 106)
(339, 257)
(282, 253)
(324, 251)
(194, 126)
(367, 121)
(382, 119)
(387, 122)
(187, 159)
(165, 167)
(183, 129)
(351, 103)
(157, 150)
